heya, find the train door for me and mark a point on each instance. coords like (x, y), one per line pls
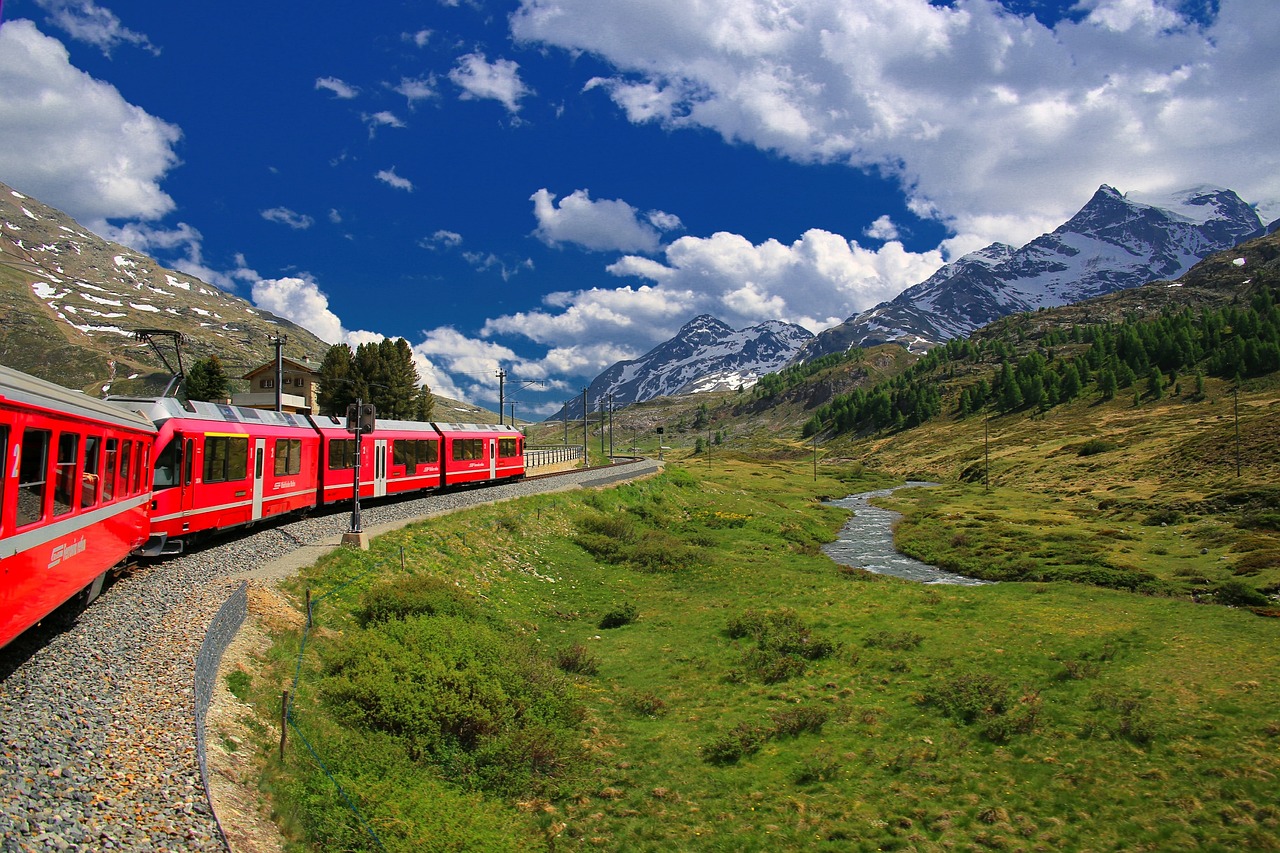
(379, 467)
(493, 459)
(188, 490)
(259, 454)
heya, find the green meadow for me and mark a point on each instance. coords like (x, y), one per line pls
(673, 664)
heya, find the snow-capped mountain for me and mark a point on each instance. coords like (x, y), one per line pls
(1114, 242)
(704, 355)
(71, 302)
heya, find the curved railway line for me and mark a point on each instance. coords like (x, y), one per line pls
(98, 744)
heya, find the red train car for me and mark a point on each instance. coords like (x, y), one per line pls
(409, 456)
(219, 466)
(476, 453)
(74, 495)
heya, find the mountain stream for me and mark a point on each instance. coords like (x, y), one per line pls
(866, 541)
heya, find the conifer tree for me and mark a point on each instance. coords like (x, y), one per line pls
(336, 388)
(207, 381)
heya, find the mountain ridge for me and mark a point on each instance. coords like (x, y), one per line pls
(1114, 242)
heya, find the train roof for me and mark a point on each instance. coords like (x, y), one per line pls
(161, 409)
(331, 421)
(22, 388)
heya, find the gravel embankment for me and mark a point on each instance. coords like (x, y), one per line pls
(97, 728)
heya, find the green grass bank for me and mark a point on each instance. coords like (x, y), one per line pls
(674, 664)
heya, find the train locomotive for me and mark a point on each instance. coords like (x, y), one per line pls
(89, 483)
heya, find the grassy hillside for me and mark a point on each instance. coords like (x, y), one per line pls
(673, 664)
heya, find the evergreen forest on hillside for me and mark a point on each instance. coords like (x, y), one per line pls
(1148, 357)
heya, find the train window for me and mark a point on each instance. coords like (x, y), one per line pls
(342, 453)
(31, 475)
(166, 476)
(64, 475)
(288, 456)
(404, 452)
(109, 470)
(126, 463)
(468, 448)
(92, 476)
(428, 451)
(507, 447)
(140, 468)
(226, 458)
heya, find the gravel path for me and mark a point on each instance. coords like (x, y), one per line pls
(97, 723)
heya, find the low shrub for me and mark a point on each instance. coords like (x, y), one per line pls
(821, 766)
(479, 703)
(896, 640)
(771, 667)
(646, 703)
(804, 719)
(414, 595)
(1094, 446)
(623, 614)
(742, 740)
(1235, 593)
(984, 700)
(1125, 713)
(781, 631)
(577, 660)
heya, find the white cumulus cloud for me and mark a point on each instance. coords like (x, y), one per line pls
(481, 79)
(991, 122)
(74, 142)
(391, 179)
(285, 216)
(88, 22)
(340, 89)
(602, 226)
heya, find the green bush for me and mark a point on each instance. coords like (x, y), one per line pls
(576, 660)
(804, 719)
(1235, 593)
(414, 595)
(460, 695)
(1094, 446)
(238, 683)
(896, 640)
(771, 667)
(646, 703)
(782, 632)
(1125, 713)
(984, 700)
(742, 740)
(623, 614)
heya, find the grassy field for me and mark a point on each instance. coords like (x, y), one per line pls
(673, 664)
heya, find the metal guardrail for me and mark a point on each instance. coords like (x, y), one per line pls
(541, 456)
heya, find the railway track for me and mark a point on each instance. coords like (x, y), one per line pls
(98, 748)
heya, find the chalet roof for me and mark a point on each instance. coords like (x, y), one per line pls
(304, 366)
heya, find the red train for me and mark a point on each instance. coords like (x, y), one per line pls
(89, 482)
(74, 496)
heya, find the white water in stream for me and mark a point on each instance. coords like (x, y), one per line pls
(866, 541)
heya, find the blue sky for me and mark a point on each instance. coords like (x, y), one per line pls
(550, 186)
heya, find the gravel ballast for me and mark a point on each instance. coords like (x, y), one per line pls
(97, 723)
